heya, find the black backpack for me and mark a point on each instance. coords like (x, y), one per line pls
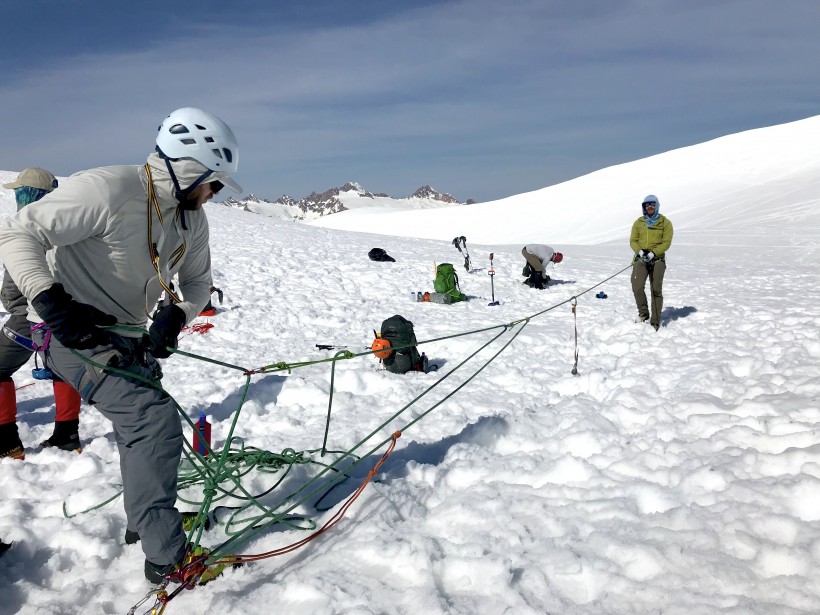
(378, 254)
(399, 332)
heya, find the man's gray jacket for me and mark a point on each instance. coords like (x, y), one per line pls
(92, 235)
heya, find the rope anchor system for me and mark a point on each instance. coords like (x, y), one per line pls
(219, 472)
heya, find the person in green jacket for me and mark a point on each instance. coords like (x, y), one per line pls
(650, 239)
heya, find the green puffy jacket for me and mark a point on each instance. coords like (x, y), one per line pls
(657, 238)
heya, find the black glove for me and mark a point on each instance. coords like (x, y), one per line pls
(163, 332)
(74, 324)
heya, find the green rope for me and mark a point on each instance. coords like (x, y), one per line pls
(213, 470)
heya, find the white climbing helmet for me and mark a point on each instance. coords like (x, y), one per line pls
(193, 133)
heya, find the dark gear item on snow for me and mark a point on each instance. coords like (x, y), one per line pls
(379, 255)
(403, 356)
(164, 331)
(75, 325)
(447, 282)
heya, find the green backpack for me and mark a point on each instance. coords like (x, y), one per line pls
(447, 282)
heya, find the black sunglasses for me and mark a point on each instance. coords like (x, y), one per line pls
(216, 186)
(647, 204)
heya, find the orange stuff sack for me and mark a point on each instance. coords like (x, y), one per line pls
(381, 348)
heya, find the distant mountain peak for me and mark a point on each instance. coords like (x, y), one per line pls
(331, 201)
(351, 186)
(426, 192)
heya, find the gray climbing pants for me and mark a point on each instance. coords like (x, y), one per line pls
(147, 430)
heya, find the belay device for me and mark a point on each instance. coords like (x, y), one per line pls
(461, 242)
(491, 273)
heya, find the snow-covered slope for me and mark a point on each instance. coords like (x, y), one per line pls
(768, 177)
(678, 472)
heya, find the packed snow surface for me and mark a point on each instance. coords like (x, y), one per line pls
(677, 472)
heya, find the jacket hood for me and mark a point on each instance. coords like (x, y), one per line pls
(187, 171)
(649, 198)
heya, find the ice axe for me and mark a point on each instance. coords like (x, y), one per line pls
(491, 273)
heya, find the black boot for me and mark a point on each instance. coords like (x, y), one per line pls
(156, 573)
(10, 445)
(66, 436)
(536, 280)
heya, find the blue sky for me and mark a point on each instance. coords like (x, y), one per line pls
(479, 98)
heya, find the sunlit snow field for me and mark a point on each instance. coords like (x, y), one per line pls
(678, 472)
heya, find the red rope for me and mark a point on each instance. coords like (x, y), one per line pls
(200, 328)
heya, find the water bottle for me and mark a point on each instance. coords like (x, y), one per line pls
(202, 435)
(419, 296)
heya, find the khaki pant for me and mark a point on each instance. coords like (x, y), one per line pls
(533, 261)
(655, 271)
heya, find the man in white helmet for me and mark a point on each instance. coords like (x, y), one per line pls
(98, 252)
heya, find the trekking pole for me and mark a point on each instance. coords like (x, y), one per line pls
(491, 273)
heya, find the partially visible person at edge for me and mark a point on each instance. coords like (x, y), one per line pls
(115, 236)
(538, 257)
(650, 239)
(16, 347)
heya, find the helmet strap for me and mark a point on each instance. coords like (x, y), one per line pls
(180, 194)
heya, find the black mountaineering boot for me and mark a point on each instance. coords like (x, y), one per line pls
(10, 445)
(66, 436)
(156, 573)
(536, 280)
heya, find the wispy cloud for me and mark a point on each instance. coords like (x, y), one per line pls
(481, 99)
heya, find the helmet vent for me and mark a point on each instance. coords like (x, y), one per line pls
(209, 139)
(228, 154)
(188, 141)
(200, 127)
(178, 129)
